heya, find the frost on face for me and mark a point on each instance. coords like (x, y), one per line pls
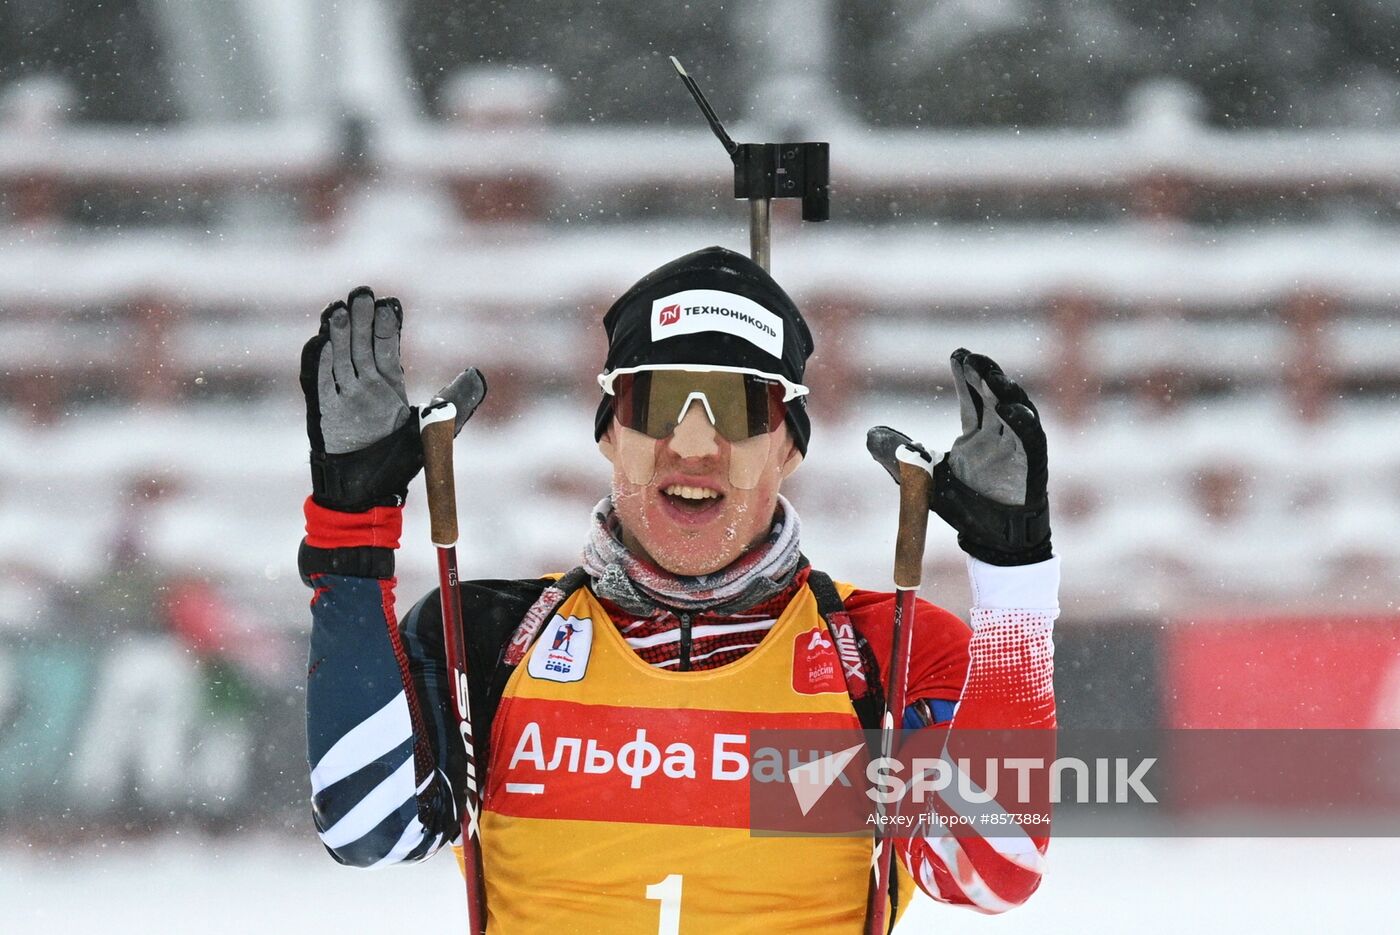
(669, 525)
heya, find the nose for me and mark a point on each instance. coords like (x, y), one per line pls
(694, 437)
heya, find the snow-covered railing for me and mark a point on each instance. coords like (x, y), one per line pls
(1136, 310)
(920, 267)
(183, 153)
(929, 160)
(1162, 162)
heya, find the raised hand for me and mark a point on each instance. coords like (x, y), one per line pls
(365, 446)
(991, 486)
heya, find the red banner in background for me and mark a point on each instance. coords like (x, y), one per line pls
(1312, 672)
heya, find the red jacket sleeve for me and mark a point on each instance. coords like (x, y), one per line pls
(1001, 678)
(938, 662)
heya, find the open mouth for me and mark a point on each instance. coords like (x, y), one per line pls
(692, 500)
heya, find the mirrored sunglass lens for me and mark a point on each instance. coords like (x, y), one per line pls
(765, 404)
(729, 401)
(632, 398)
(743, 405)
(669, 391)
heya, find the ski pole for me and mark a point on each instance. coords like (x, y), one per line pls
(436, 423)
(915, 479)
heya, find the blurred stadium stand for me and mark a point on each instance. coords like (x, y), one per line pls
(1208, 314)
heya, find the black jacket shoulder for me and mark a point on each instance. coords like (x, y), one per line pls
(491, 610)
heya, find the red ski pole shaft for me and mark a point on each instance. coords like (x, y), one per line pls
(915, 480)
(437, 427)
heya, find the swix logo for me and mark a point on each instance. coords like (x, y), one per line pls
(849, 652)
(561, 655)
(669, 315)
(524, 636)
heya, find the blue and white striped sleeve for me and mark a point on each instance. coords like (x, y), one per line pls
(379, 795)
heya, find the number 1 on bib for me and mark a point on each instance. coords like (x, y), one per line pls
(668, 891)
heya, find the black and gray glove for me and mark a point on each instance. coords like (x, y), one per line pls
(365, 443)
(991, 486)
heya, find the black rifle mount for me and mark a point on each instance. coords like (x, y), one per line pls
(763, 171)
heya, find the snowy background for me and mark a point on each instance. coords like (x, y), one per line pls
(1177, 223)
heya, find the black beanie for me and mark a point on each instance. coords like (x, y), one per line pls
(716, 307)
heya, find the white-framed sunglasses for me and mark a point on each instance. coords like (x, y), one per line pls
(740, 402)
